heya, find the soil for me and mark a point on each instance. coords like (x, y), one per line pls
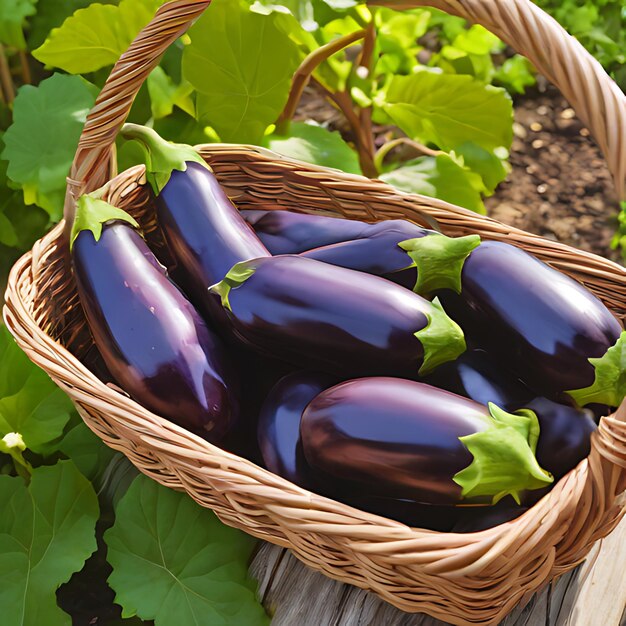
(559, 186)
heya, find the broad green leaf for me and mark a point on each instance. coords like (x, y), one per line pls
(13, 14)
(30, 403)
(341, 5)
(40, 144)
(96, 36)
(477, 40)
(397, 37)
(241, 64)
(448, 110)
(86, 450)
(315, 144)
(165, 94)
(439, 177)
(47, 531)
(487, 165)
(294, 17)
(175, 562)
(51, 14)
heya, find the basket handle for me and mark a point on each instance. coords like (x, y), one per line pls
(596, 98)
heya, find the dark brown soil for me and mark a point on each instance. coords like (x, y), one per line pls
(559, 186)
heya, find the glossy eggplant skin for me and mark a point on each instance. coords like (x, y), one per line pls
(281, 451)
(377, 254)
(329, 318)
(204, 231)
(279, 423)
(565, 431)
(540, 322)
(152, 340)
(390, 437)
(474, 519)
(288, 232)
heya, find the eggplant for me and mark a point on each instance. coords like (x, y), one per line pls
(279, 423)
(288, 232)
(548, 328)
(565, 431)
(370, 248)
(204, 231)
(395, 438)
(337, 320)
(473, 519)
(152, 340)
(279, 442)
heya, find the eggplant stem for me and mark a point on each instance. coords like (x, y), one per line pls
(5, 77)
(302, 76)
(25, 68)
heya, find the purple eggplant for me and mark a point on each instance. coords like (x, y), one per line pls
(152, 340)
(370, 248)
(279, 441)
(204, 231)
(565, 437)
(548, 328)
(337, 320)
(279, 423)
(389, 437)
(473, 519)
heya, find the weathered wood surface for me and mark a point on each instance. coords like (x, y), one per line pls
(592, 595)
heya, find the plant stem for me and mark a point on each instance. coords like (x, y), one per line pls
(365, 114)
(386, 148)
(344, 102)
(25, 67)
(5, 77)
(303, 74)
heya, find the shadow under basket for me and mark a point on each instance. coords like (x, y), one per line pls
(474, 578)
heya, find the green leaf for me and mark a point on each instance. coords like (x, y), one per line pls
(439, 177)
(47, 531)
(241, 64)
(13, 14)
(92, 213)
(51, 14)
(442, 339)
(487, 165)
(609, 385)
(448, 110)
(96, 36)
(504, 460)
(439, 260)
(86, 450)
(314, 144)
(165, 94)
(40, 144)
(30, 403)
(176, 563)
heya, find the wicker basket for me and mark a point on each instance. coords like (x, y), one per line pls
(463, 579)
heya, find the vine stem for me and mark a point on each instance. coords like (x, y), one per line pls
(303, 74)
(25, 67)
(5, 77)
(386, 148)
(365, 114)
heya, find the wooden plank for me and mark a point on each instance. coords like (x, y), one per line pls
(592, 595)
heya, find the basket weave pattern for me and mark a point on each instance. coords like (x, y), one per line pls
(463, 579)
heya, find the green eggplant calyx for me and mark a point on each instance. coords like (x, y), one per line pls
(162, 157)
(439, 261)
(92, 213)
(236, 276)
(609, 385)
(504, 458)
(442, 339)
(13, 445)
